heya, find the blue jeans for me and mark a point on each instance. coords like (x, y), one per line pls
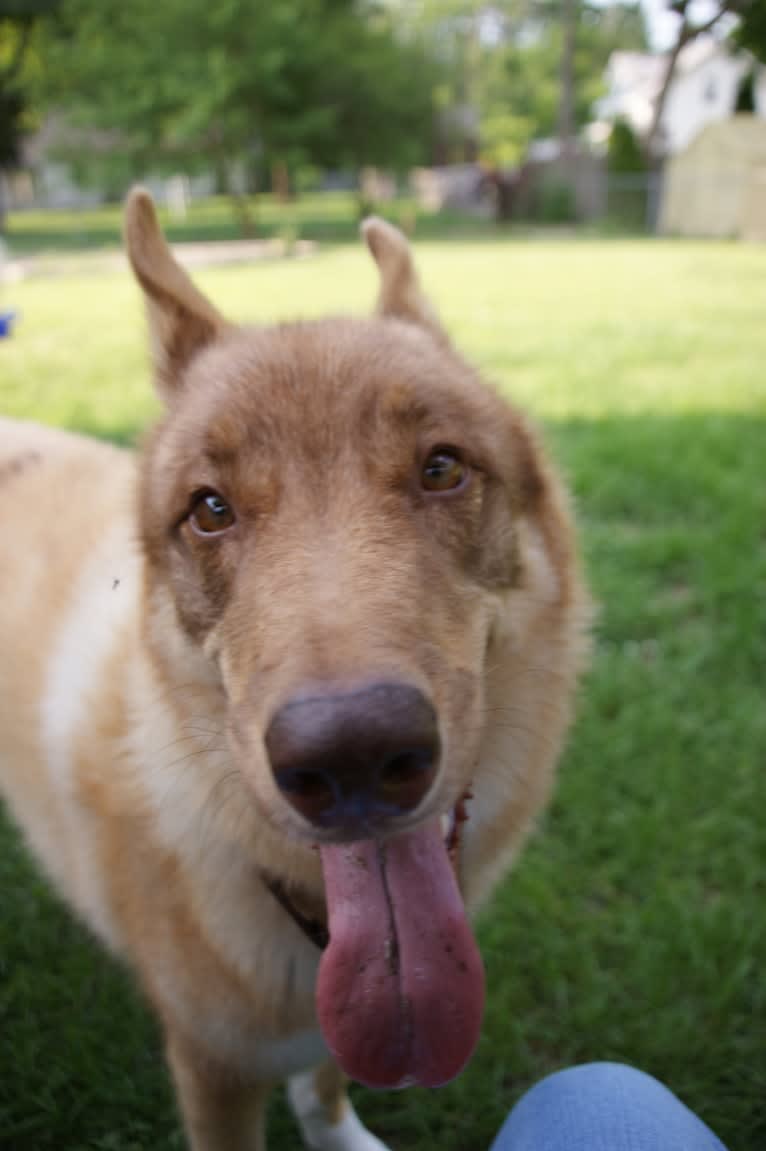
(603, 1107)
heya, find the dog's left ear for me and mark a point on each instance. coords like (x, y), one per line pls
(181, 320)
(400, 292)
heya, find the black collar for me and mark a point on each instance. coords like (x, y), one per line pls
(313, 929)
(317, 931)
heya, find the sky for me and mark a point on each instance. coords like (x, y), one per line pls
(662, 25)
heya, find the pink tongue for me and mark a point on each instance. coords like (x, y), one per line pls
(401, 984)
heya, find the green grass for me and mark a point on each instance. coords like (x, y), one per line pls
(634, 926)
(326, 216)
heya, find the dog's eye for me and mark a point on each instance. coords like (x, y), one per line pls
(211, 514)
(443, 471)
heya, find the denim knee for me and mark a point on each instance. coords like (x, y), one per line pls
(603, 1107)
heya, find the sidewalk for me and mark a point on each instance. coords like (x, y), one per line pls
(217, 253)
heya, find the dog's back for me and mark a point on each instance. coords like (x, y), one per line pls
(68, 569)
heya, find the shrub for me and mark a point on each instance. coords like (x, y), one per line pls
(556, 203)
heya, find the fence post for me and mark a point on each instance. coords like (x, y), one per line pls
(653, 201)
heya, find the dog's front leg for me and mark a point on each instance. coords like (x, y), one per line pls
(220, 1113)
(327, 1120)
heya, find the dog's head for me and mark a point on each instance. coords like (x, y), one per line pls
(356, 534)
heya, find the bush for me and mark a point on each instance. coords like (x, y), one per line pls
(628, 178)
(624, 156)
(556, 203)
(745, 101)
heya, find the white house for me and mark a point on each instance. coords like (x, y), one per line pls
(703, 90)
(633, 81)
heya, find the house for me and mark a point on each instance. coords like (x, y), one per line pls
(703, 90)
(633, 81)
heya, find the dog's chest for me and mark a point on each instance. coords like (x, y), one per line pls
(243, 985)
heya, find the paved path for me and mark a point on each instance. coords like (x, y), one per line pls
(218, 253)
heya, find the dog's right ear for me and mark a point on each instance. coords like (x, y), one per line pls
(400, 291)
(181, 320)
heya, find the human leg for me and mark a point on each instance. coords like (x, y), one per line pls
(603, 1107)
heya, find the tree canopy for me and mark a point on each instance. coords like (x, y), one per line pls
(505, 59)
(751, 33)
(248, 86)
(18, 19)
(321, 81)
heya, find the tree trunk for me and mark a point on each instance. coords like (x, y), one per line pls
(2, 214)
(219, 175)
(566, 117)
(240, 202)
(280, 181)
(244, 215)
(686, 33)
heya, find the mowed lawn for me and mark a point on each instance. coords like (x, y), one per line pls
(634, 926)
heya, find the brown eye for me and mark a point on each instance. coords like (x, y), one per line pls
(211, 514)
(443, 471)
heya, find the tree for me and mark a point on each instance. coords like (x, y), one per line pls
(745, 101)
(526, 67)
(18, 19)
(751, 31)
(566, 112)
(688, 30)
(544, 76)
(242, 83)
(588, 35)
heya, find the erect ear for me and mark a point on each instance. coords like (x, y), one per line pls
(400, 293)
(181, 320)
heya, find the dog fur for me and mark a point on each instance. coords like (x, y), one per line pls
(141, 663)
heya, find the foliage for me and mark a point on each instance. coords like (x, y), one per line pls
(628, 186)
(690, 26)
(504, 138)
(632, 927)
(556, 202)
(504, 58)
(11, 127)
(745, 101)
(751, 31)
(17, 23)
(246, 89)
(246, 84)
(624, 155)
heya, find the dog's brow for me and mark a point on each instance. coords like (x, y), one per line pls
(221, 454)
(400, 404)
(225, 445)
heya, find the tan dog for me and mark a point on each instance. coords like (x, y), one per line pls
(252, 683)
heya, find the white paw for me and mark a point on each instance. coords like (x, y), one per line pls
(319, 1135)
(348, 1135)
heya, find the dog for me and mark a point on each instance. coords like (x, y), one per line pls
(281, 696)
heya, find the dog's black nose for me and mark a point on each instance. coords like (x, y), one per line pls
(353, 758)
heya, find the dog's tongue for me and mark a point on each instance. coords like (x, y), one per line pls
(401, 984)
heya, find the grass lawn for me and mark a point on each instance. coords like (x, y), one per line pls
(634, 927)
(323, 216)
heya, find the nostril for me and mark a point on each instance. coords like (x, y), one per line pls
(310, 791)
(406, 777)
(404, 769)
